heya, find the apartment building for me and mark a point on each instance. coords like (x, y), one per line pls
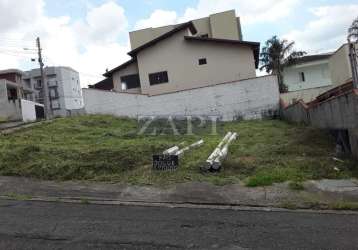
(64, 89)
(199, 53)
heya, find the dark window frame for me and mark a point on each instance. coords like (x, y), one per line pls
(302, 76)
(158, 78)
(54, 88)
(38, 84)
(203, 61)
(59, 105)
(132, 81)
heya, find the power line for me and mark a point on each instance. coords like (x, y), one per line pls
(15, 54)
(17, 51)
(7, 38)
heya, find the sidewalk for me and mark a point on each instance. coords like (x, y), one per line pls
(317, 194)
(7, 125)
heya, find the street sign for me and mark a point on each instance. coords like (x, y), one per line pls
(165, 162)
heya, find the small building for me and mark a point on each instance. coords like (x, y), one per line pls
(12, 90)
(64, 89)
(199, 53)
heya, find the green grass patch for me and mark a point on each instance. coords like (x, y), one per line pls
(344, 205)
(3, 119)
(18, 197)
(105, 148)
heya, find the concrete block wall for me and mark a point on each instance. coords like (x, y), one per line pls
(307, 95)
(337, 113)
(246, 99)
(297, 113)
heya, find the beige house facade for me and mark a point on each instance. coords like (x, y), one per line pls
(195, 54)
(223, 25)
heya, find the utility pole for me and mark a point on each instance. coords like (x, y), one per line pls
(353, 59)
(43, 80)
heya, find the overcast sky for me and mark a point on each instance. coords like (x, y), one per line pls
(92, 35)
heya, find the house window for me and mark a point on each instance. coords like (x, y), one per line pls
(54, 93)
(202, 61)
(12, 94)
(55, 105)
(38, 84)
(158, 78)
(130, 81)
(302, 77)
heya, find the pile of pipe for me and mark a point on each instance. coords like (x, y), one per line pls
(216, 159)
(180, 152)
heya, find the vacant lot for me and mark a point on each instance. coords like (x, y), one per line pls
(104, 148)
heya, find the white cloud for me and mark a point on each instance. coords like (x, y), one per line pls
(16, 13)
(265, 11)
(104, 23)
(89, 46)
(262, 11)
(157, 18)
(327, 31)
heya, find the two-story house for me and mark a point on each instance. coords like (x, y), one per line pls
(315, 74)
(199, 53)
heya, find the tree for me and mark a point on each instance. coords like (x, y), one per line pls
(353, 31)
(276, 55)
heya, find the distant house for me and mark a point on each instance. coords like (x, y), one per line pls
(64, 89)
(199, 53)
(106, 84)
(12, 90)
(308, 72)
(312, 75)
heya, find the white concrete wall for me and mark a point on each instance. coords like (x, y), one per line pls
(317, 74)
(306, 95)
(28, 110)
(71, 89)
(247, 99)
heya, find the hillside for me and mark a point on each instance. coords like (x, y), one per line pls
(105, 148)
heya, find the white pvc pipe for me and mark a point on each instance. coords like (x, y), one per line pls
(171, 151)
(217, 150)
(194, 145)
(223, 153)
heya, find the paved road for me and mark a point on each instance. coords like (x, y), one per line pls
(40, 225)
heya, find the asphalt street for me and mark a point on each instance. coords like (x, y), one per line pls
(46, 225)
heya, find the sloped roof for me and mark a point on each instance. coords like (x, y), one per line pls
(312, 58)
(106, 84)
(122, 66)
(11, 71)
(188, 25)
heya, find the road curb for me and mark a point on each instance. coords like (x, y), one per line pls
(91, 201)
